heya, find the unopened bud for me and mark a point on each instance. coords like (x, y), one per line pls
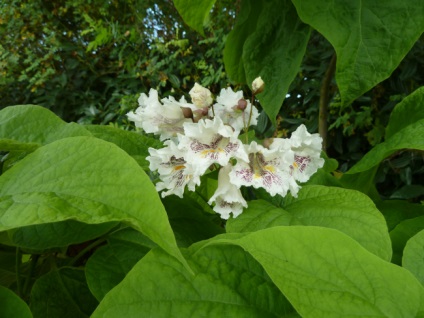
(187, 112)
(200, 96)
(202, 111)
(241, 104)
(258, 85)
(267, 142)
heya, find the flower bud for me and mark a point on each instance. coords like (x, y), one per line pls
(258, 85)
(200, 96)
(267, 142)
(241, 105)
(187, 112)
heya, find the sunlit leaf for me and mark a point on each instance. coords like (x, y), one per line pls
(87, 180)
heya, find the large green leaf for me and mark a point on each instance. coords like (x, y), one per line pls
(228, 283)
(12, 306)
(370, 37)
(245, 25)
(135, 144)
(84, 179)
(413, 256)
(407, 112)
(409, 137)
(26, 127)
(275, 51)
(348, 211)
(194, 14)
(62, 293)
(325, 273)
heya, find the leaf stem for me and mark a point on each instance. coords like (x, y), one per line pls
(34, 260)
(18, 264)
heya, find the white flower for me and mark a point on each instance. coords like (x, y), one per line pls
(227, 197)
(226, 109)
(307, 151)
(258, 85)
(208, 142)
(200, 96)
(268, 169)
(165, 120)
(175, 173)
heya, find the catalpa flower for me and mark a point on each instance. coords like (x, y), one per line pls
(265, 168)
(227, 109)
(208, 142)
(227, 197)
(153, 117)
(307, 151)
(175, 173)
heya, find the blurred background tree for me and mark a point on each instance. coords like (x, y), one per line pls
(85, 60)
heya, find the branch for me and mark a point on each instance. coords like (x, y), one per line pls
(324, 100)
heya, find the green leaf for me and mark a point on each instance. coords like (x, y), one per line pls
(325, 273)
(87, 180)
(26, 127)
(62, 293)
(190, 222)
(275, 51)
(12, 306)
(370, 37)
(194, 15)
(395, 211)
(228, 283)
(60, 234)
(259, 215)
(409, 137)
(401, 234)
(413, 256)
(245, 25)
(348, 211)
(108, 266)
(135, 144)
(363, 182)
(407, 112)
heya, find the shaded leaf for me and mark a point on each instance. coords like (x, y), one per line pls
(407, 112)
(194, 15)
(370, 37)
(275, 51)
(12, 306)
(62, 293)
(245, 25)
(401, 234)
(408, 138)
(108, 266)
(60, 234)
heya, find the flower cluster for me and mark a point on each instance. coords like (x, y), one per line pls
(201, 135)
